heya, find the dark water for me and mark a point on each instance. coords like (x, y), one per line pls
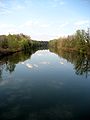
(45, 86)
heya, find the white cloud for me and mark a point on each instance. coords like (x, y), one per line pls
(22, 63)
(82, 22)
(6, 28)
(29, 66)
(33, 25)
(26, 24)
(44, 25)
(45, 63)
(10, 7)
(35, 65)
(64, 24)
(34, 28)
(61, 3)
(43, 36)
(3, 8)
(56, 3)
(2, 5)
(61, 63)
(18, 7)
(5, 25)
(39, 54)
(5, 11)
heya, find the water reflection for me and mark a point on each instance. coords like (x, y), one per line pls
(8, 63)
(81, 62)
(43, 86)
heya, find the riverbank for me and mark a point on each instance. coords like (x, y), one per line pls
(78, 42)
(18, 42)
(4, 52)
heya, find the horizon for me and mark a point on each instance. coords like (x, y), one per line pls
(44, 20)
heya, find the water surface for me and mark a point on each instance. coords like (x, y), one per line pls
(44, 86)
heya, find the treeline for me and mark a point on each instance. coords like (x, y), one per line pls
(14, 42)
(79, 42)
(18, 42)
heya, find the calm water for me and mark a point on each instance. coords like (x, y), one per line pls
(45, 86)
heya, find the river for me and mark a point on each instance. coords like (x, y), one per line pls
(43, 85)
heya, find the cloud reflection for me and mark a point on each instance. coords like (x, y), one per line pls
(29, 65)
(39, 54)
(35, 65)
(45, 63)
(22, 63)
(61, 63)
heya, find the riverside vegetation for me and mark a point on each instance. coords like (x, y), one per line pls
(20, 42)
(79, 42)
(75, 49)
(42, 85)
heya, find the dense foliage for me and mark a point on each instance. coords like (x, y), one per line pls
(80, 42)
(14, 42)
(19, 42)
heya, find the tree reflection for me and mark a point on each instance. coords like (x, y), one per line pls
(10, 67)
(81, 61)
(10, 61)
(0, 71)
(82, 65)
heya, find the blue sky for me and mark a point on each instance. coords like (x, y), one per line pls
(44, 19)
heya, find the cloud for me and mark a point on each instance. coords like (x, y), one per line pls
(33, 24)
(61, 63)
(35, 65)
(64, 24)
(43, 36)
(4, 12)
(56, 3)
(10, 7)
(2, 5)
(29, 65)
(45, 63)
(82, 22)
(61, 3)
(39, 54)
(6, 28)
(22, 63)
(26, 24)
(18, 7)
(36, 27)
(5, 25)
(4, 8)
(44, 25)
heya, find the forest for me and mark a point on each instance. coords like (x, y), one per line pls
(18, 42)
(79, 42)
